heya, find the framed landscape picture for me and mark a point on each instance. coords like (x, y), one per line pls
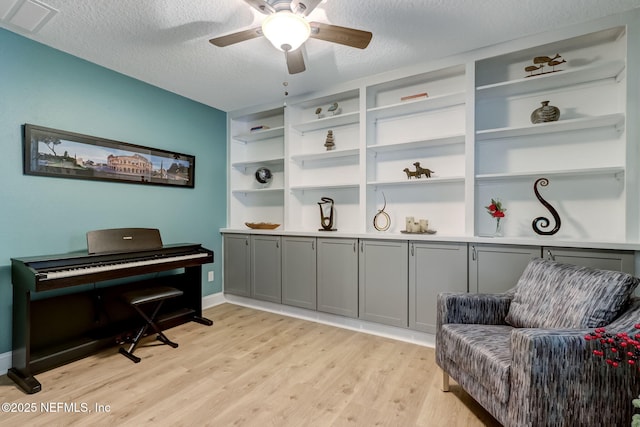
(57, 153)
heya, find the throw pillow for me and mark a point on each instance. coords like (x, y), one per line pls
(554, 295)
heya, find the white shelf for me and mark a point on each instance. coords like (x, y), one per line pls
(260, 135)
(246, 191)
(417, 106)
(327, 122)
(565, 78)
(325, 155)
(258, 163)
(422, 181)
(610, 120)
(412, 145)
(614, 170)
(324, 187)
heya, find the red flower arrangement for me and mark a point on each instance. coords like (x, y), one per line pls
(617, 349)
(495, 209)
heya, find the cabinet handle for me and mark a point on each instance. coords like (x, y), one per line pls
(551, 257)
(362, 247)
(313, 245)
(473, 253)
(412, 249)
(246, 242)
(277, 244)
(354, 247)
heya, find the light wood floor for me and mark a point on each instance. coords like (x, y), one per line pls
(251, 368)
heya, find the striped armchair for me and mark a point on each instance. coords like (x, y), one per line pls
(522, 354)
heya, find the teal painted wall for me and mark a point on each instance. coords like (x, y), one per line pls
(40, 215)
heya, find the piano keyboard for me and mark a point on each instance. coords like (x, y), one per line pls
(78, 271)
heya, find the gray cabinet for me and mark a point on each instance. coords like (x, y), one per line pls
(433, 268)
(383, 295)
(596, 258)
(392, 282)
(266, 268)
(237, 264)
(497, 268)
(299, 272)
(338, 276)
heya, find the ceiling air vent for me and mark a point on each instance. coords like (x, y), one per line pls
(27, 15)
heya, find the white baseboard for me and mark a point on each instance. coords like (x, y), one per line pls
(5, 362)
(212, 300)
(400, 334)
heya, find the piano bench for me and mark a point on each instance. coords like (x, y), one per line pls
(139, 298)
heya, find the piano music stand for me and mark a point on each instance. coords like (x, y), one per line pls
(136, 299)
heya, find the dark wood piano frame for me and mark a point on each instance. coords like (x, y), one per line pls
(57, 321)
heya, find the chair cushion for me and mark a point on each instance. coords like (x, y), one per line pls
(483, 352)
(554, 295)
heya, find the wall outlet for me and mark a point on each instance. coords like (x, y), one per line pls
(210, 276)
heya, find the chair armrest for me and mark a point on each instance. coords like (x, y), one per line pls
(483, 309)
(556, 380)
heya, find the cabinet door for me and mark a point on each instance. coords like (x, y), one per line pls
(299, 272)
(433, 268)
(596, 258)
(497, 268)
(338, 276)
(237, 264)
(383, 267)
(266, 271)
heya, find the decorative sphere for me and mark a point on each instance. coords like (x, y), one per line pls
(264, 175)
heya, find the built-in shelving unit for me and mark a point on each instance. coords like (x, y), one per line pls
(317, 172)
(582, 154)
(430, 132)
(249, 150)
(468, 122)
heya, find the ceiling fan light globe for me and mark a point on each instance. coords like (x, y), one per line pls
(285, 30)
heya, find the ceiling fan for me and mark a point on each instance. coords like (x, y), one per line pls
(287, 28)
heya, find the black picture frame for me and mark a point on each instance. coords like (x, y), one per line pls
(57, 153)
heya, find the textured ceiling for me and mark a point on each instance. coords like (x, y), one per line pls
(165, 42)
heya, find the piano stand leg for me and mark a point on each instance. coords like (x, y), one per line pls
(163, 338)
(130, 355)
(202, 320)
(29, 383)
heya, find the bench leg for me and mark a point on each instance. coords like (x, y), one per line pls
(150, 323)
(445, 381)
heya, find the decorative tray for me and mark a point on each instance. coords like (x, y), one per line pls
(419, 232)
(262, 225)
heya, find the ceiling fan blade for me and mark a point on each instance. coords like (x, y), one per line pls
(295, 61)
(341, 35)
(238, 37)
(304, 7)
(261, 6)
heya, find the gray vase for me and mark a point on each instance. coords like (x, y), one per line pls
(546, 113)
